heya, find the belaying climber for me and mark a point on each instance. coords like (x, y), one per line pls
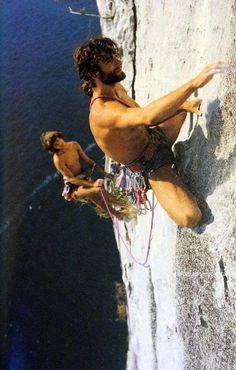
(66, 158)
(140, 137)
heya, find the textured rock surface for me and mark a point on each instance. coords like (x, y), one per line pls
(181, 303)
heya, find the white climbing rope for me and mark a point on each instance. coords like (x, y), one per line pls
(122, 239)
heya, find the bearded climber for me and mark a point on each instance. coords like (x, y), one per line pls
(140, 137)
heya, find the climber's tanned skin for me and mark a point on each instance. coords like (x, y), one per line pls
(119, 128)
(67, 161)
(120, 132)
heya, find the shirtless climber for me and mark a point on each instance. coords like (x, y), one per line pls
(140, 137)
(66, 158)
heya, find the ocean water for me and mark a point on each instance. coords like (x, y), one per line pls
(59, 261)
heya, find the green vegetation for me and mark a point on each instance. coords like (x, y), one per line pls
(120, 295)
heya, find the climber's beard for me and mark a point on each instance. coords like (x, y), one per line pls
(112, 78)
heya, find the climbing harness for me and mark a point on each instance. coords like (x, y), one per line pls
(144, 263)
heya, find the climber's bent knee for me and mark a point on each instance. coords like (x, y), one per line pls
(191, 220)
(174, 197)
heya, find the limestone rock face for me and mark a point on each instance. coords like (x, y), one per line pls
(180, 283)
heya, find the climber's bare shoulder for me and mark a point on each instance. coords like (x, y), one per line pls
(120, 141)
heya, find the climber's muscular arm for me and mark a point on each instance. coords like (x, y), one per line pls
(191, 106)
(115, 114)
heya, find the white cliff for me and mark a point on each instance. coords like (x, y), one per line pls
(181, 284)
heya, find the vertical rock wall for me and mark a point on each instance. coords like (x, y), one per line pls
(181, 284)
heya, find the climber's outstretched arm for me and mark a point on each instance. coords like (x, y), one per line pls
(118, 115)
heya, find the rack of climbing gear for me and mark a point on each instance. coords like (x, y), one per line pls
(132, 185)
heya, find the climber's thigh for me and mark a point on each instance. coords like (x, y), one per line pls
(174, 197)
(172, 126)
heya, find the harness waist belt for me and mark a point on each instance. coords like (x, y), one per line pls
(149, 151)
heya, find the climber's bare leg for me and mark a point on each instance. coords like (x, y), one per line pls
(174, 197)
(94, 195)
(116, 202)
(169, 189)
(97, 199)
(172, 126)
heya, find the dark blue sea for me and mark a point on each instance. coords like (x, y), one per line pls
(59, 261)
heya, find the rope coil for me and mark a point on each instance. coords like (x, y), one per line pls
(143, 264)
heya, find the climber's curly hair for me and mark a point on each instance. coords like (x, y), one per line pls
(88, 56)
(48, 140)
